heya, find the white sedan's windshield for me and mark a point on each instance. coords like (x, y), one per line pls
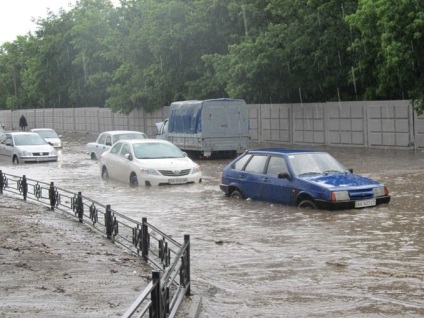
(156, 150)
(311, 163)
(29, 139)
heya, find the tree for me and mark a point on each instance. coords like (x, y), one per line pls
(388, 49)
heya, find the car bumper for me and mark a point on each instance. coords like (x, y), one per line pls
(38, 159)
(344, 205)
(224, 188)
(157, 181)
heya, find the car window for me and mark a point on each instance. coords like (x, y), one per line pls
(108, 141)
(276, 165)
(239, 165)
(153, 150)
(102, 139)
(314, 163)
(129, 136)
(115, 149)
(125, 150)
(47, 133)
(256, 164)
(29, 139)
(3, 139)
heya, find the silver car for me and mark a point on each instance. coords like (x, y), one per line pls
(106, 139)
(22, 147)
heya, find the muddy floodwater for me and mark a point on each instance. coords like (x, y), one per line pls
(255, 259)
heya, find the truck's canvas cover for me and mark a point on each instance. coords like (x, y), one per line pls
(213, 115)
(185, 117)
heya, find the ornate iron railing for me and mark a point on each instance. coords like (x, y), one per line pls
(171, 279)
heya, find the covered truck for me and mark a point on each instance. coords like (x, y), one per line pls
(207, 128)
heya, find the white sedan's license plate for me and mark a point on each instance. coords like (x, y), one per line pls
(177, 181)
(365, 203)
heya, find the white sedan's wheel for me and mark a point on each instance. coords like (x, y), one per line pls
(105, 173)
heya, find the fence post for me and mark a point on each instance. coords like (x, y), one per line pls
(187, 242)
(80, 207)
(108, 221)
(52, 196)
(156, 296)
(1, 182)
(145, 239)
(24, 186)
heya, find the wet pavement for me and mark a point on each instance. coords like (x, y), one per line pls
(255, 259)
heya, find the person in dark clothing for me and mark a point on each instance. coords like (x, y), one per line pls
(23, 123)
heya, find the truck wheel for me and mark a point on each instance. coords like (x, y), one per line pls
(237, 195)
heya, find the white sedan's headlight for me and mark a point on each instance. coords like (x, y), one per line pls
(196, 169)
(53, 153)
(340, 196)
(379, 192)
(26, 153)
(149, 171)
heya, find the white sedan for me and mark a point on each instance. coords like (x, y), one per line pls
(50, 136)
(22, 147)
(148, 162)
(106, 139)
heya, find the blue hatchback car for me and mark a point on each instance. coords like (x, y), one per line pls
(303, 178)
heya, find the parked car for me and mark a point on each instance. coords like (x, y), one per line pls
(148, 162)
(50, 136)
(303, 178)
(22, 147)
(106, 139)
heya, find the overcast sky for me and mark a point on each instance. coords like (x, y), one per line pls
(16, 15)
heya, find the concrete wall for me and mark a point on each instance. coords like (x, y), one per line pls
(387, 124)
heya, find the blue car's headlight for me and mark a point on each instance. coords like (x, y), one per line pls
(340, 196)
(380, 191)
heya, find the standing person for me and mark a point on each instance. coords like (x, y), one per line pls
(23, 123)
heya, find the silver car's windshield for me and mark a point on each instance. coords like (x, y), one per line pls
(156, 150)
(314, 163)
(47, 133)
(30, 139)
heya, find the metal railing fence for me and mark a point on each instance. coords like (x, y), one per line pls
(171, 280)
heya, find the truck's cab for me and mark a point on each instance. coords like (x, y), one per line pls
(162, 129)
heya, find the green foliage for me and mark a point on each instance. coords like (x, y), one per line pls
(148, 53)
(388, 49)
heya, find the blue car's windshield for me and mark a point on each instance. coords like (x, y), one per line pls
(314, 163)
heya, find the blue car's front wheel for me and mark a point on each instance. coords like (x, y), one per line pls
(236, 195)
(307, 204)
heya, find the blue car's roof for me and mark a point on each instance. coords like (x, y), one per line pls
(280, 151)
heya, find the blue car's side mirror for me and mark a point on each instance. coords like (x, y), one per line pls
(284, 175)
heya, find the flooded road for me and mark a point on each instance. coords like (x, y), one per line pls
(255, 259)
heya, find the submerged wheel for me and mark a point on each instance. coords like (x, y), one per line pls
(93, 156)
(307, 204)
(105, 174)
(236, 194)
(133, 180)
(15, 160)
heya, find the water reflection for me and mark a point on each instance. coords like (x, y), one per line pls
(255, 259)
